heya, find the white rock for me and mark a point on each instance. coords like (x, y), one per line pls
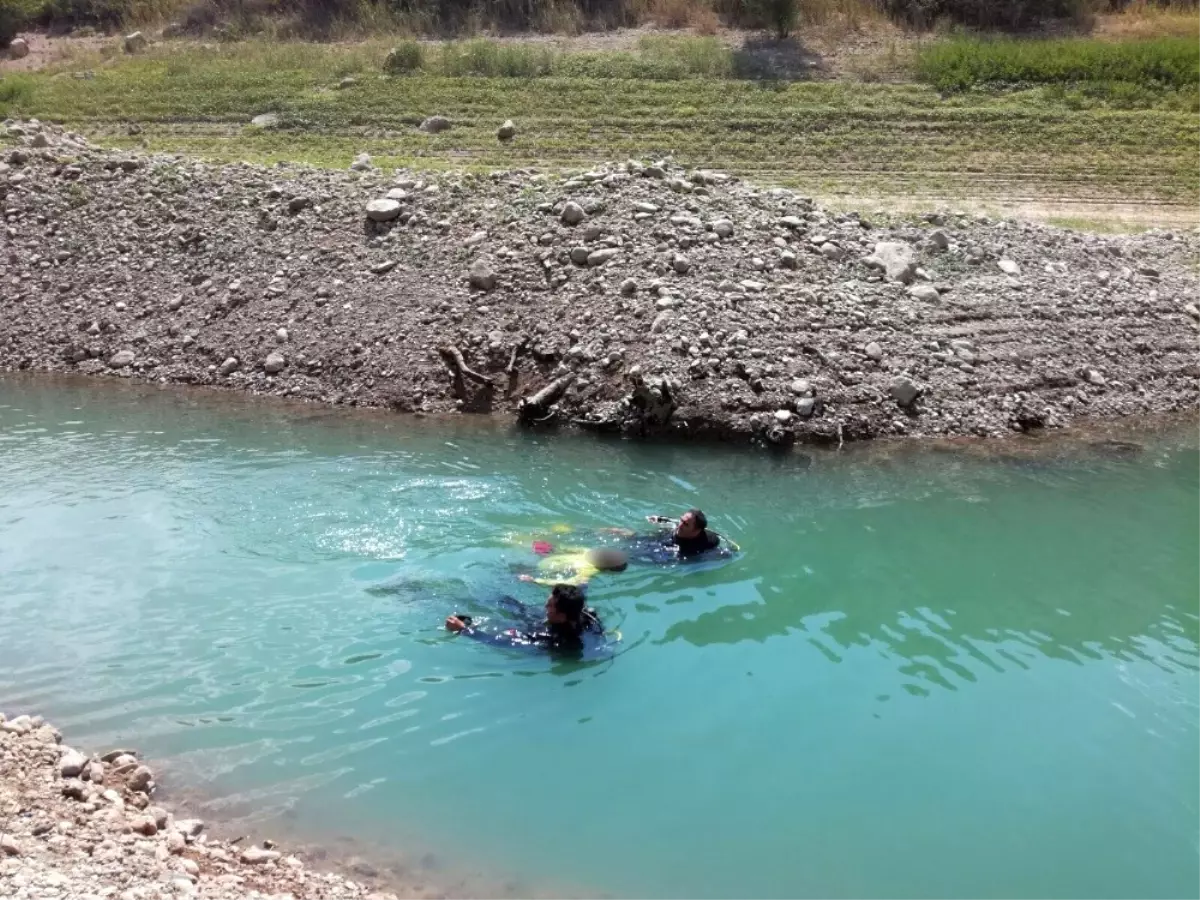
(783, 416)
(477, 238)
(681, 264)
(383, 210)
(642, 207)
(874, 351)
(189, 866)
(8, 846)
(600, 257)
(121, 359)
(802, 387)
(895, 259)
(831, 252)
(362, 163)
(72, 762)
(274, 363)
(939, 240)
(805, 406)
(752, 287)
(1008, 267)
(19, 48)
(19, 725)
(135, 42)
(629, 287)
(925, 292)
(229, 366)
(257, 855)
(176, 842)
(95, 772)
(507, 131)
(189, 828)
(436, 125)
(265, 120)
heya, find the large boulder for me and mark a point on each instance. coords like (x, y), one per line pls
(482, 276)
(436, 125)
(19, 48)
(894, 259)
(136, 42)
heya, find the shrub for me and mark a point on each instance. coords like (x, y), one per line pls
(15, 17)
(408, 56)
(65, 15)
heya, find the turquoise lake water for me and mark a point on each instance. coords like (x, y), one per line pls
(928, 674)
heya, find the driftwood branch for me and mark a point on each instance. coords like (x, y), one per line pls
(511, 371)
(460, 371)
(538, 407)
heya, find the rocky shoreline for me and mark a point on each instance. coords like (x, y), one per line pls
(86, 827)
(642, 299)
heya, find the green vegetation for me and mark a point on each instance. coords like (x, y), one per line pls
(962, 63)
(831, 138)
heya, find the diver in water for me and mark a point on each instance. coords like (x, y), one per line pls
(690, 535)
(567, 621)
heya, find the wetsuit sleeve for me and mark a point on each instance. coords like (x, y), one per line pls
(511, 638)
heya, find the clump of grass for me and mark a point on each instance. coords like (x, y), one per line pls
(15, 91)
(495, 60)
(958, 64)
(698, 56)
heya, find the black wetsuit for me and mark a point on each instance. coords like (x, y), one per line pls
(535, 632)
(701, 543)
(659, 549)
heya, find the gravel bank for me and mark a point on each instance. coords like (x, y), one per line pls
(80, 827)
(644, 298)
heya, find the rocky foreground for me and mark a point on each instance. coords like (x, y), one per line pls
(79, 827)
(641, 299)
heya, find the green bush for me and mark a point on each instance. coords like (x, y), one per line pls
(65, 15)
(408, 56)
(779, 14)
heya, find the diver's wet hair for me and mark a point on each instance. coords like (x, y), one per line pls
(699, 519)
(568, 599)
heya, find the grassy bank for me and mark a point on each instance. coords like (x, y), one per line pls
(1165, 63)
(831, 138)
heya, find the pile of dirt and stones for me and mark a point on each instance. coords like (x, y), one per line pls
(80, 827)
(639, 298)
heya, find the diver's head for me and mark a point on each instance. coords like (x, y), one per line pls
(608, 559)
(692, 524)
(564, 606)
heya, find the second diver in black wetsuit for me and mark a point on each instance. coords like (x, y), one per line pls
(567, 621)
(689, 539)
